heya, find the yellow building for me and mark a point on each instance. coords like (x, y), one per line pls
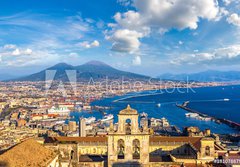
(130, 145)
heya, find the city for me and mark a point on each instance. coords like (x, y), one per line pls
(120, 83)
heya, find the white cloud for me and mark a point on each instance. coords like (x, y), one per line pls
(220, 56)
(88, 45)
(180, 42)
(16, 52)
(28, 51)
(178, 14)
(234, 19)
(73, 54)
(95, 43)
(124, 2)
(9, 46)
(159, 16)
(137, 61)
(125, 40)
(38, 57)
(227, 2)
(168, 14)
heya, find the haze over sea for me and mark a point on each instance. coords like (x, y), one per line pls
(208, 100)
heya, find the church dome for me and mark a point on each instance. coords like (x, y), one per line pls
(128, 111)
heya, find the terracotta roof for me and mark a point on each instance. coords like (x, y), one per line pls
(195, 141)
(75, 139)
(28, 153)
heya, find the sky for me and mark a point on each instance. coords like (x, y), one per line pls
(150, 37)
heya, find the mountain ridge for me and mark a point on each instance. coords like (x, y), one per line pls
(93, 69)
(204, 76)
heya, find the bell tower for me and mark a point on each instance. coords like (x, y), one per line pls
(128, 144)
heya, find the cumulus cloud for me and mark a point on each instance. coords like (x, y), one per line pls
(178, 14)
(234, 19)
(28, 51)
(88, 45)
(137, 61)
(159, 16)
(227, 2)
(16, 52)
(225, 55)
(125, 40)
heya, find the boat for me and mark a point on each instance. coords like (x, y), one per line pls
(192, 115)
(90, 120)
(185, 103)
(226, 99)
(158, 105)
(60, 122)
(107, 118)
(62, 111)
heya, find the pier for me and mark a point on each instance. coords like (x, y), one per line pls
(218, 120)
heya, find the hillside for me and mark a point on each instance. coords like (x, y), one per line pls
(93, 69)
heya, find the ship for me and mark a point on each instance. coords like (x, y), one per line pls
(62, 111)
(158, 105)
(60, 122)
(185, 103)
(226, 99)
(90, 120)
(107, 118)
(192, 115)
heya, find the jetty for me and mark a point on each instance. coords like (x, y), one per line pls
(217, 120)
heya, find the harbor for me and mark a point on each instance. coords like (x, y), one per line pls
(217, 120)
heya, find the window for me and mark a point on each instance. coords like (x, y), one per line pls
(120, 149)
(128, 127)
(207, 151)
(72, 153)
(136, 149)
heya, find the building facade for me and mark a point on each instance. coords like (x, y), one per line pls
(130, 145)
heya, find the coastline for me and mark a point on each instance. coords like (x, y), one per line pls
(219, 125)
(141, 93)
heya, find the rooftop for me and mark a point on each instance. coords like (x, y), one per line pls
(195, 141)
(75, 139)
(128, 111)
(28, 153)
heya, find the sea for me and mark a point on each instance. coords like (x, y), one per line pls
(219, 101)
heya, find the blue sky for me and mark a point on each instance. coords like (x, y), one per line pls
(144, 36)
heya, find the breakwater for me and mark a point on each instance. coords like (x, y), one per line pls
(217, 120)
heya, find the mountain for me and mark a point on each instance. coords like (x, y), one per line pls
(206, 76)
(94, 69)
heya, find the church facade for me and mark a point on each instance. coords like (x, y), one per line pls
(129, 145)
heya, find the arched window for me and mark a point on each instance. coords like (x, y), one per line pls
(207, 151)
(72, 153)
(128, 127)
(136, 149)
(121, 149)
